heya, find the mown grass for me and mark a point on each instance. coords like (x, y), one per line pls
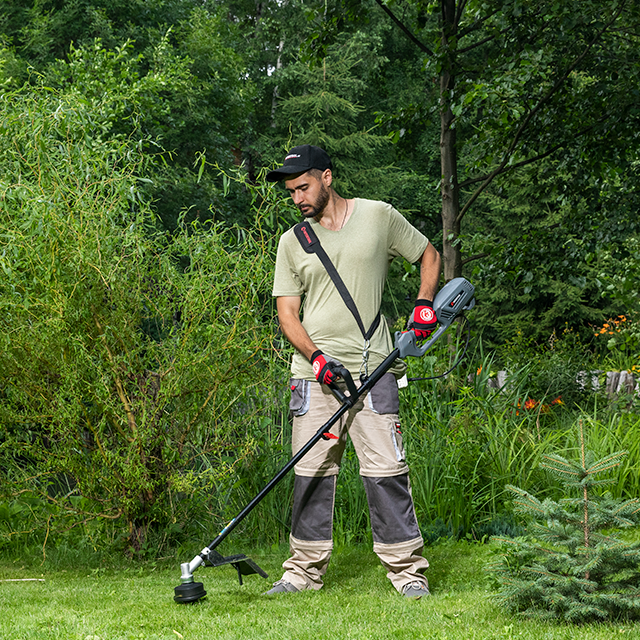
(136, 601)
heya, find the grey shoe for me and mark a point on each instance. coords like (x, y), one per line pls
(282, 586)
(415, 590)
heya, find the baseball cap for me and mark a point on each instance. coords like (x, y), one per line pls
(299, 160)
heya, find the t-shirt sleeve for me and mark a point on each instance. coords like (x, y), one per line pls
(404, 239)
(286, 281)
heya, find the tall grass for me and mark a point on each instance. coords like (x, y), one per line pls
(466, 441)
(608, 432)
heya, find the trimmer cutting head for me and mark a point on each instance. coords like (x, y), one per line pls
(190, 591)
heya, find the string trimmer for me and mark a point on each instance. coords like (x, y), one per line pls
(454, 298)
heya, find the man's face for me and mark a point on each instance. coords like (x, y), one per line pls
(309, 193)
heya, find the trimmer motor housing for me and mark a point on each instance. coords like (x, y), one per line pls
(455, 297)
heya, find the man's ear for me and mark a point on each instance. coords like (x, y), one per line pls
(327, 177)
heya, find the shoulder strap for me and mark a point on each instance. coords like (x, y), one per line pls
(311, 244)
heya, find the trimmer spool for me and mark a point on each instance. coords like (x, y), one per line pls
(189, 592)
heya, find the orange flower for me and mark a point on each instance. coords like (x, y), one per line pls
(479, 371)
(531, 403)
(558, 400)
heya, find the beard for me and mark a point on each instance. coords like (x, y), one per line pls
(316, 209)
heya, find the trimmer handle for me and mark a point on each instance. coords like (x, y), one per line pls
(338, 393)
(407, 344)
(455, 297)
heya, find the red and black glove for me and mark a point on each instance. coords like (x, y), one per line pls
(325, 368)
(423, 320)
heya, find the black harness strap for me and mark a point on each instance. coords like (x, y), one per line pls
(311, 244)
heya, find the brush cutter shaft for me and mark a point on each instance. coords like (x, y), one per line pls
(347, 402)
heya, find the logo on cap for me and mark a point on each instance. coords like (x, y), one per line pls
(292, 155)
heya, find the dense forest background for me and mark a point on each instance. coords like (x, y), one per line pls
(510, 125)
(137, 233)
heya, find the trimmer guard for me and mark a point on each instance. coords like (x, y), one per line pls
(244, 566)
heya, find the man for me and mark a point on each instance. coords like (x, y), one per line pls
(361, 237)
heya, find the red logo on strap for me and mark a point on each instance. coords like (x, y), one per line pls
(316, 367)
(427, 314)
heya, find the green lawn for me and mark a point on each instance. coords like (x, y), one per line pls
(136, 601)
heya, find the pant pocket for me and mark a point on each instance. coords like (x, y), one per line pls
(383, 397)
(398, 445)
(300, 396)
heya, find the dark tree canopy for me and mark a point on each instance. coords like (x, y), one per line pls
(505, 129)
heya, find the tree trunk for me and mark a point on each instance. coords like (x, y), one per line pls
(276, 94)
(451, 256)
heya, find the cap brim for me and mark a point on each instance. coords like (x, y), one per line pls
(283, 172)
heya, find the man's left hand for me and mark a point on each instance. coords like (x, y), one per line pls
(423, 320)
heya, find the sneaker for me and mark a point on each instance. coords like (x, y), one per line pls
(282, 586)
(415, 590)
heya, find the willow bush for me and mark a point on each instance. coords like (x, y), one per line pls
(134, 366)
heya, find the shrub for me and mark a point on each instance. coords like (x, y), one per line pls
(132, 364)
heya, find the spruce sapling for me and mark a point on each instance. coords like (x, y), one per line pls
(569, 565)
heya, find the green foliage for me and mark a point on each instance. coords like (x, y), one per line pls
(553, 367)
(570, 566)
(43, 31)
(131, 364)
(547, 248)
(180, 97)
(621, 272)
(550, 240)
(321, 106)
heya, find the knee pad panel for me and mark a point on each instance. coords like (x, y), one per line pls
(393, 518)
(313, 500)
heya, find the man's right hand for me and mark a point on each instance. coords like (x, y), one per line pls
(423, 319)
(325, 368)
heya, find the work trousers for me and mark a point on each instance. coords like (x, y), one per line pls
(374, 429)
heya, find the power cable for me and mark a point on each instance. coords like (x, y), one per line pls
(458, 361)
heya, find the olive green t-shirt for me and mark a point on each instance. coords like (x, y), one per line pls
(361, 252)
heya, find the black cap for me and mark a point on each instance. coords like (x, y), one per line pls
(299, 160)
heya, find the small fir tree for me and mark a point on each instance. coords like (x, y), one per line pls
(570, 566)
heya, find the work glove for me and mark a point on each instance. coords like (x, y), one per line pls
(423, 319)
(325, 368)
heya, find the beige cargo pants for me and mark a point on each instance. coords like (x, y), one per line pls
(374, 429)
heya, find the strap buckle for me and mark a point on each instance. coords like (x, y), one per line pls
(364, 367)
